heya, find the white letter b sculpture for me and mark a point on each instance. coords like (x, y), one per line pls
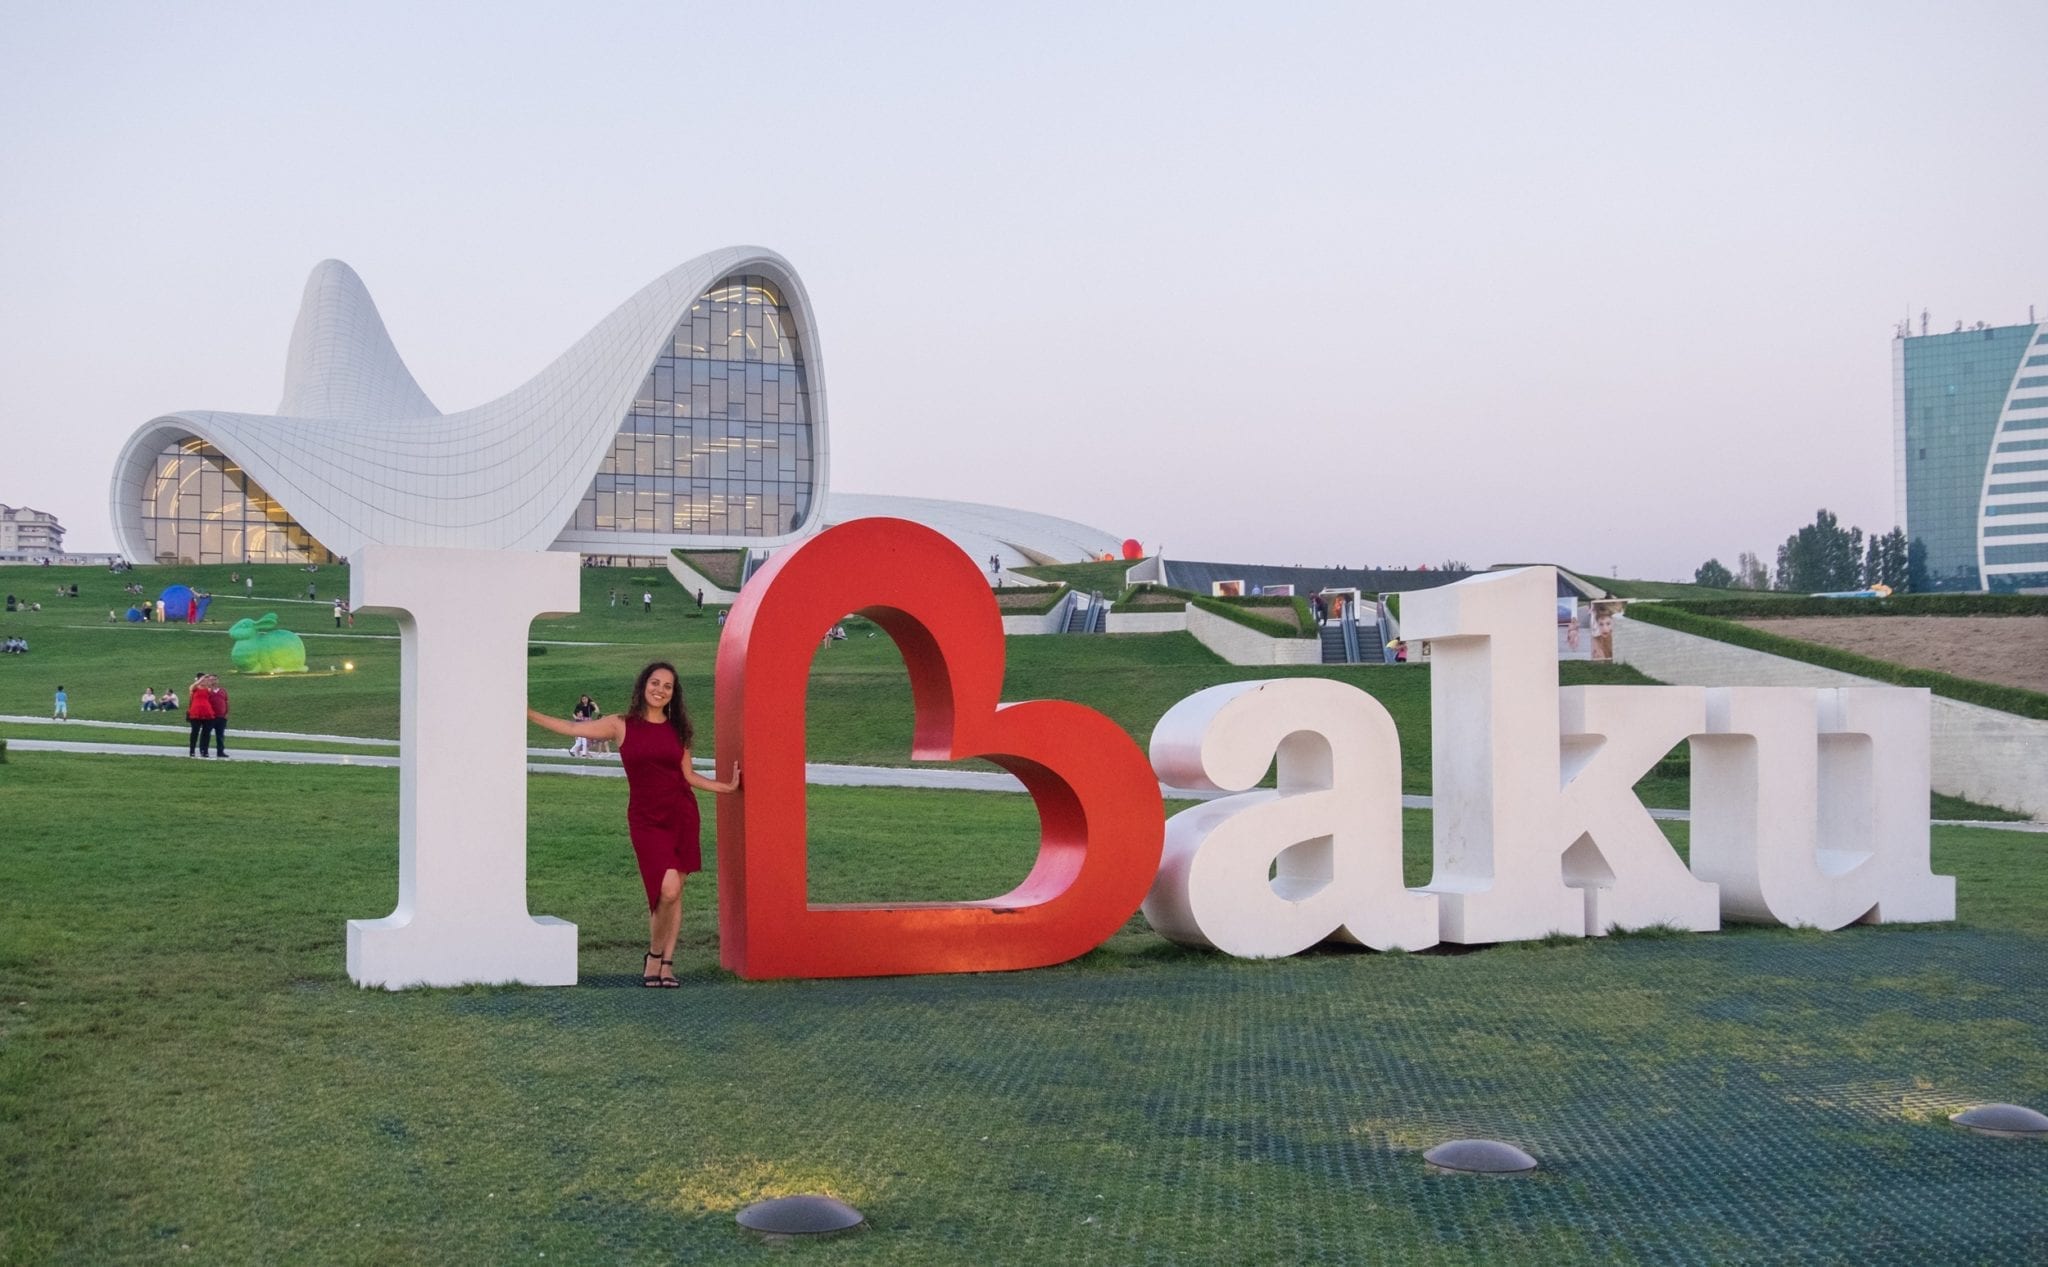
(461, 917)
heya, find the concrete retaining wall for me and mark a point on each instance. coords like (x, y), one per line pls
(1990, 757)
(1240, 645)
(1026, 623)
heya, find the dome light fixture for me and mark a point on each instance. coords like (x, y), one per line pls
(807, 1215)
(1480, 1157)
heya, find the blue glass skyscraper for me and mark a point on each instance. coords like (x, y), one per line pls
(1970, 432)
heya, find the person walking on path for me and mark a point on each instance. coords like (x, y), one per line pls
(654, 735)
(586, 710)
(220, 715)
(198, 718)
(62, 709)
(647, 601)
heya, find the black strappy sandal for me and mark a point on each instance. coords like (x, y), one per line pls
(650, 980)
(668, 982)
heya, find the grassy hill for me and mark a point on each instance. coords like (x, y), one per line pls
(1677, 590)
(859, 700)
(1107, 577)
(859, 704)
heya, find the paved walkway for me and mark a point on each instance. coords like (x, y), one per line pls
(558, 761)
(172, 626)
(180, 731)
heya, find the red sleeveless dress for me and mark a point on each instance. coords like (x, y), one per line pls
(661, 809)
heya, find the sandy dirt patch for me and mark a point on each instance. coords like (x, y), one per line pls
(2009, 650)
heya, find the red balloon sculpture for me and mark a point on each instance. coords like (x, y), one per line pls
(1133, 549)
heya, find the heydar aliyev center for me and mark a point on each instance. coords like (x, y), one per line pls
(694, 416)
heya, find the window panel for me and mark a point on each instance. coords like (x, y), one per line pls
(724, 406)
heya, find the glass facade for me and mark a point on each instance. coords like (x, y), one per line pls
(1955, 387)
(718, 442)
(198, 506)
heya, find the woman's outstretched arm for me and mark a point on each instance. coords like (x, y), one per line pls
(703, 784)
(612, 728)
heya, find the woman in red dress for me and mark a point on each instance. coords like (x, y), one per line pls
(654, 736)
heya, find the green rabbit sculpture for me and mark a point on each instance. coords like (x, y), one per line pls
(261, 647)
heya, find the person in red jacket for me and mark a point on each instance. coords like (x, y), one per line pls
(199, 715)
(220, 715)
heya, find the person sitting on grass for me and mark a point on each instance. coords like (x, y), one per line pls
(654, 735)
(148, 699)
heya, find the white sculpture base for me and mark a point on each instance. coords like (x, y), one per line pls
(395, 954)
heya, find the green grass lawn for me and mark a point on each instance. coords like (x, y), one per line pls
(859, 708)
(859, 698)
(1107, 577)
(185, 1072)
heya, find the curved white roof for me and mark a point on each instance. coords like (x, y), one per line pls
(357, 453)
(1019, 538)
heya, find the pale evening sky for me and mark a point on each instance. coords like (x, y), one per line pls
(1612, 285)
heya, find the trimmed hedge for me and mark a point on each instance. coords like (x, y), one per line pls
(1897, 605)
(1082, 576)
(1683, 617)
(1029, 600)
(1149, 597)
(1241, 613)
(1678, 591)
(1144, 599)
(1241, 610)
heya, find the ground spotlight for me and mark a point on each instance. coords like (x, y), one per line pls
(800, 1216)
(2009, 1121)
(348, 666)
(1480, 1157)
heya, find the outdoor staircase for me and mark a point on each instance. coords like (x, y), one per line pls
(1093, 618)
(1371, 650)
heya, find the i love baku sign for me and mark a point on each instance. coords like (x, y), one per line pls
(1809, 807)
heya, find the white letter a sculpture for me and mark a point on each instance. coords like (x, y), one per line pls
(461, 917)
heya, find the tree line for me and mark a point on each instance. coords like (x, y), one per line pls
(1825, 557)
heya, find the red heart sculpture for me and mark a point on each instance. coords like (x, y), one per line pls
(1101, 821)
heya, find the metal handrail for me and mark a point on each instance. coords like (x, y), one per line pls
(1350, 625)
